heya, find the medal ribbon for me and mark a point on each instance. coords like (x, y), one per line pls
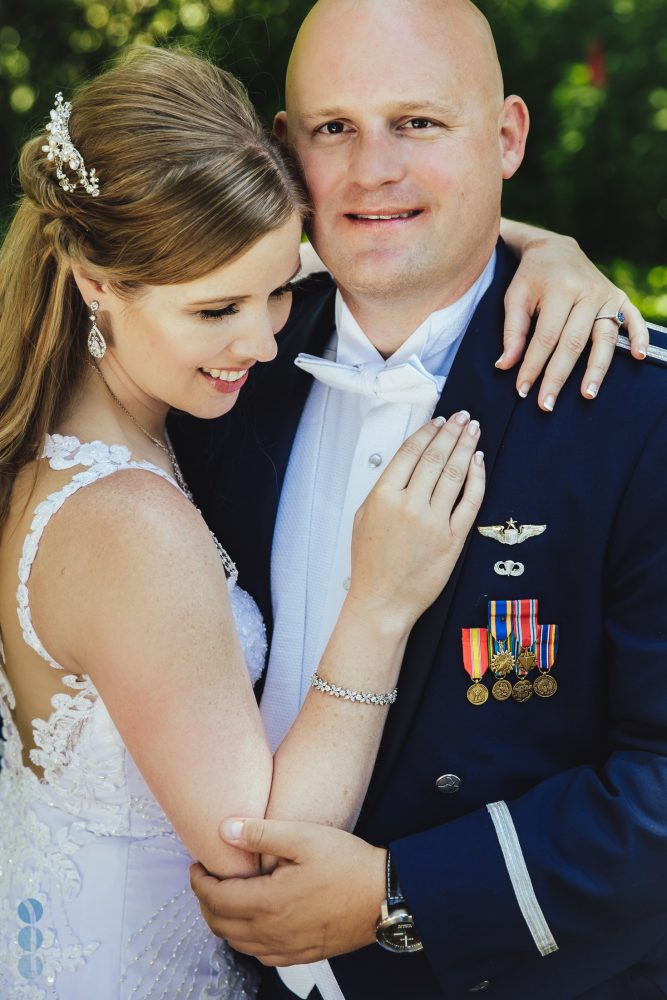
(547, 647)
(475, 652)
(525, 622)
(500, 620)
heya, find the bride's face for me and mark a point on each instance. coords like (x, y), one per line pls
(190, 346)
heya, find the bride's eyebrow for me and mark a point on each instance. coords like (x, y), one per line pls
(215, 299)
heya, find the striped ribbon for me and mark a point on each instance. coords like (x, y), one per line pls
(525, 622)
(475, 643)
(547, 646)
(500, 620)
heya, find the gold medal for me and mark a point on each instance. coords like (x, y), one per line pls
(502, 663)
(526, 659)
(545, 685)
(522, 691)
(502, 690)
(477, 694)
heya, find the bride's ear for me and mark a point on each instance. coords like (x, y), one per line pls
(91, 288)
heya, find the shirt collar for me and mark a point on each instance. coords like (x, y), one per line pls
(430, 341)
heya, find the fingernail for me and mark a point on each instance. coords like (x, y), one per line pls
(479, 458)
(462, 418)
(524, 389)
(592, 390)
(642, 353)
(473, 427)
(439, 421)
(549, 403)
(233, 829)
(500, 359)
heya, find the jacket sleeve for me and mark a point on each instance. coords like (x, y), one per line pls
(566, 886)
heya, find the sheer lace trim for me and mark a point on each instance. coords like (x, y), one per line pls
(65, 453)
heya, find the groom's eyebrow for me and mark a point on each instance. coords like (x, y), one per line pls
(428, 105)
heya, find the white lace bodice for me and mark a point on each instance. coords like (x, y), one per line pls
(90, 789)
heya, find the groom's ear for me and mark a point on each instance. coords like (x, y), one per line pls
(280, 127)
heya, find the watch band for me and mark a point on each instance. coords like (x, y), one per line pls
(395, 895)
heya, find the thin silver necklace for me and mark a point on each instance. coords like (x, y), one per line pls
(166, 448)
(227, 562)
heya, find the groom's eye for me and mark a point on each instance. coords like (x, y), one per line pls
(331, 128)
(419, 123)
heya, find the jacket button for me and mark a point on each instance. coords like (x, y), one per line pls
(448, 784)
(484, 985)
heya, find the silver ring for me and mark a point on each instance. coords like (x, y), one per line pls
(618, 318)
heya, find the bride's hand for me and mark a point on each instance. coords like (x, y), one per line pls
(410, 531)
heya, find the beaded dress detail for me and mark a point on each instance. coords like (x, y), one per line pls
(94, 887)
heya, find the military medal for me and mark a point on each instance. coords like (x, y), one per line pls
(500, 629)
(547, 646)
(525, 632)
(476, 661)
(502, 661)
(524, 617)
(502, 690)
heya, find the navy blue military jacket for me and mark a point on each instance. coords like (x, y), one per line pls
(545, 874)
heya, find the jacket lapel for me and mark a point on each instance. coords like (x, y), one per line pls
(474, 384)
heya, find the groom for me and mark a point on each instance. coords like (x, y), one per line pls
(521, 786)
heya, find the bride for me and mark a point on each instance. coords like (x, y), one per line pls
(148, 267)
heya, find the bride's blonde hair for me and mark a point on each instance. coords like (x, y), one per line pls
(189, 180)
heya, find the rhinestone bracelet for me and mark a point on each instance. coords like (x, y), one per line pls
(346, 694)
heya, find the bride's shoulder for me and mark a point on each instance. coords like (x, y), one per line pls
(132, 521)
(136, 503)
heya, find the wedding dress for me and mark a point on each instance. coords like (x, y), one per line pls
(95, 902)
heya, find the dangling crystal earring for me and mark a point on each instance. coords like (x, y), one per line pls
(97, 345)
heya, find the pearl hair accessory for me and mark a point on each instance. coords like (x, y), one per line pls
(61, 149)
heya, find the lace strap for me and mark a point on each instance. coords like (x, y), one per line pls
(43, 514)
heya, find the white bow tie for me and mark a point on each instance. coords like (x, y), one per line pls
(408, 382)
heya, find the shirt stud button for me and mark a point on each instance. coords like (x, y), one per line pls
(375, 460)
(448, 784)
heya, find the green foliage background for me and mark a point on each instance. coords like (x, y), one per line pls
(594, 74)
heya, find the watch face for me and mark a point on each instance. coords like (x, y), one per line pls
(397, 933)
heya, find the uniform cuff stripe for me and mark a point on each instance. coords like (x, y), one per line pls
(520, 879)
(653, 351)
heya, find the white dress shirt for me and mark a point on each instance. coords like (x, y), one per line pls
(343, 443)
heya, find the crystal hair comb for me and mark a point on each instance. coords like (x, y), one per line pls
(61, 150)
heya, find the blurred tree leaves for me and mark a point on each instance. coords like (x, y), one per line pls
(593, 72)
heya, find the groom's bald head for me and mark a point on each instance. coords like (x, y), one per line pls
(451, 25)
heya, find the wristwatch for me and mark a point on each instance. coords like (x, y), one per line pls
(395, 930)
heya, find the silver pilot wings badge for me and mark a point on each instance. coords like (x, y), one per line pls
(511, 534)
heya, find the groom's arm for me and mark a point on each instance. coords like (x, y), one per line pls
(553, 892)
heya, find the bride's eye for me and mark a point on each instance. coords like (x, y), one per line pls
(283, 290)
(230, 310)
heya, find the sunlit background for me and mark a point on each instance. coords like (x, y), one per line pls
(594, 74)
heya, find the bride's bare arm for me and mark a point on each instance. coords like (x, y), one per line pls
(143, 609)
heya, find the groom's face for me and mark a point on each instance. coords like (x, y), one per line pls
(395, 110)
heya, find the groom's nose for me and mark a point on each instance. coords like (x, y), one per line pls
(377, 158)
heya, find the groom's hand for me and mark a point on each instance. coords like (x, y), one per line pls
(322, 899)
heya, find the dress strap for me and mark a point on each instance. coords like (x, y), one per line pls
(64, 453)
